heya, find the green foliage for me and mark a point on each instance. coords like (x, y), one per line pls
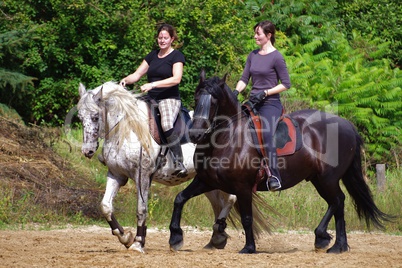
(15, 87)
(51, 100)
(374, 19)
(366, 92)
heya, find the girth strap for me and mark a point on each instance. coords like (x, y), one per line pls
(264, 168)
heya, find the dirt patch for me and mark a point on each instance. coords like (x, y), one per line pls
(28, 165)
(96, 247)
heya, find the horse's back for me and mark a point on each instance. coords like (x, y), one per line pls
(323, 121)
(329, 139)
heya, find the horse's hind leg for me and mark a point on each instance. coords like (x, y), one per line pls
(341, 242)
(221, 203)
(335, 198)
(112, 187)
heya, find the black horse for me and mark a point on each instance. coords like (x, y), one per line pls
(227, 159)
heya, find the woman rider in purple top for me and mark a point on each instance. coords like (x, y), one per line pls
(269, 76)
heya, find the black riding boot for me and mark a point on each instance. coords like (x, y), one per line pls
(274, 182)
(175, 147)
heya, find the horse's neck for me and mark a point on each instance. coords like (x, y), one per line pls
(229, 106)
(118, 123)
(111, 125)
(229, 112)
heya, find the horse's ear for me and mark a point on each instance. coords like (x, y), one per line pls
(81, 90)
(98, 97)
(224, 77)
(202, 75)
(223, 80)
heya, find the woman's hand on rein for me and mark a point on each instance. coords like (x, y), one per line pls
(146, 87)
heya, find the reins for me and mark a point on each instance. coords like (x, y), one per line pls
(229, 119)
(213, 126)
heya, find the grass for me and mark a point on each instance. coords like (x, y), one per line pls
(303, 208)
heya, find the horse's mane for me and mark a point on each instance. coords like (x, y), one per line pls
(214, 87)
(126, 104)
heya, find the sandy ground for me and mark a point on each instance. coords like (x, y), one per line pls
(95, 247)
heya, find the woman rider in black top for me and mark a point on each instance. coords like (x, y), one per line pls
(164, 69)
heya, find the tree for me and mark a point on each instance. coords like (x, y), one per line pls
(15, 87)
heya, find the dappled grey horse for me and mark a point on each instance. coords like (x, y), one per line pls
(129, 151)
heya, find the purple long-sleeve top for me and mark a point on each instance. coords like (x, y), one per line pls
(265, 71)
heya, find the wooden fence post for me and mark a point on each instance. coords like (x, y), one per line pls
(380, 169)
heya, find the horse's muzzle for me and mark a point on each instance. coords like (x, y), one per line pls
(196, 135)
(89, 149)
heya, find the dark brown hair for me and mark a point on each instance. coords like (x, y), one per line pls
(172, 32)
(267, 27)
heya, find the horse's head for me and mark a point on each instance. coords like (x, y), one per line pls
(115, 114)
(89, 114)
(210, 95)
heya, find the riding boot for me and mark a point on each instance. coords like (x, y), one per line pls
(274, 182)
(174, 145)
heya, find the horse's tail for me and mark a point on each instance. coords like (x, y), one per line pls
(261, 223)
(361, 193)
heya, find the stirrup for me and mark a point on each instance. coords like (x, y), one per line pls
(274, 183)
(180, 169)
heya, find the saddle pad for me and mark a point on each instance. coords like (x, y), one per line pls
(287, 137)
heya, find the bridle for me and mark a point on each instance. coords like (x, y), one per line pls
(203, 110)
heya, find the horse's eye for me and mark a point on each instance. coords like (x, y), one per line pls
(95, 118)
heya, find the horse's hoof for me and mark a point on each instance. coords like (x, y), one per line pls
(322, 243)
(247, 251)
(209, 246)
(136, 246)
(219, 242)
(318, 250)
(337, 249)
(176, 247)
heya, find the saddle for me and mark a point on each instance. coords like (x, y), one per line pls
(180, 127)
(287, 138)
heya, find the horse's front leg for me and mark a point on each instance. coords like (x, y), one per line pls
(142, 210)
(195, 188)
(113, 185)
(246, 213)
(221, 203)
